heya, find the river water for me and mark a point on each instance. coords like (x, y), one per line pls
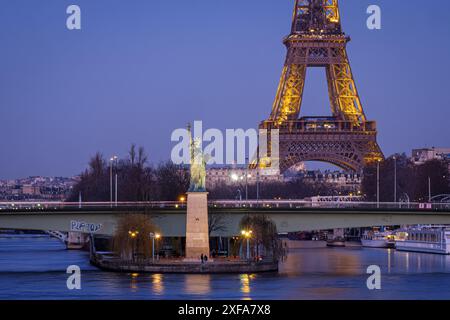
(35, 268)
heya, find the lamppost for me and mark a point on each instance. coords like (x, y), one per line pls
(247, 234)
(378, 183)
(116, 190)
(133, 234)
(429, 190)
(111, 163)
(395, 179)
(246, 178)
(154, 236)
(257, 181)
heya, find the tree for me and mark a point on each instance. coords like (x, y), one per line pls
(136, 180)
(435, 172)
(412, 179)
(132, 236)
(264, 235)
(94, 182)
(216, 222)
(172, 181)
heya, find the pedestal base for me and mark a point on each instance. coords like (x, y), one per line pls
(197, 236)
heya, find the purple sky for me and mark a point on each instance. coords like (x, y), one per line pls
(139, 69)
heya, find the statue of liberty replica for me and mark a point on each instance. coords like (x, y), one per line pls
(197, 166)
(197, 236)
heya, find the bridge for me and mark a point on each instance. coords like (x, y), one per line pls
(101, 218)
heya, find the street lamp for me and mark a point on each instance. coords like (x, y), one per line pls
(246, 178)
(395, 179)
(133, 234)
(429, 190)
(111, 163)
(378, 183)
(154, 236)
(247, 234)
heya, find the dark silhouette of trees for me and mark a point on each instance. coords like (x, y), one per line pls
(137, 180)
(172, 180)
(435, 172)
(412, 180)
(132, 236)
(94, 183)
(296, 189)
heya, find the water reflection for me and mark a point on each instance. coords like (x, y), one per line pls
(158, 283)
(246, 280)
(197, 284)
(389, 254)
(35, 269)
(323, 260)
(134, 281)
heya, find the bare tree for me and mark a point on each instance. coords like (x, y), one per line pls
(216, 222)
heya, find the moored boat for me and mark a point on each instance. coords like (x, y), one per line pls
(375, 239)
(425, 239)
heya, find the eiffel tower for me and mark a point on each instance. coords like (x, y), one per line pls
(346, 139)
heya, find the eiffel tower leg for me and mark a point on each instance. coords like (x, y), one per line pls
(289, 94)
(344, 97)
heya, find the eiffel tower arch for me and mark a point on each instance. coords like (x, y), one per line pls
(346, 139)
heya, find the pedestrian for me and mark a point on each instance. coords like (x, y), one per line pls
(206, 258)
(201, 257)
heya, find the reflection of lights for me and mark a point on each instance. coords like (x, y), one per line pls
(157, 281)
(389, 260)
(133, 284)
(198, 284)
(245, 282)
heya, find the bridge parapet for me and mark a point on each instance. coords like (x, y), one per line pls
(331, 202)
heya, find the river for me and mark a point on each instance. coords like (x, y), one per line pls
(35, 268)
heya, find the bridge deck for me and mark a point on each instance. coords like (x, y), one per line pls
(172, 222)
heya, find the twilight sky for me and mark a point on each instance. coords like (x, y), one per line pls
(140, 69)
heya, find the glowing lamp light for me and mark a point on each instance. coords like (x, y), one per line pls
(247, 233)
(133, 234)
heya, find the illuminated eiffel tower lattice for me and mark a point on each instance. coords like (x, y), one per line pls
(346, 139)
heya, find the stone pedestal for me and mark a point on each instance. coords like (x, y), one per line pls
(197, 237)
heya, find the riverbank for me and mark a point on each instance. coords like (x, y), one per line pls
(181, 266)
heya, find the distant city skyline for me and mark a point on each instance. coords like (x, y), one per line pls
(135, 72)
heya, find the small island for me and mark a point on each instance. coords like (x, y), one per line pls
(137, 242)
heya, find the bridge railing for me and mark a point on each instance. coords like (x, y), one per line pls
(257, 204)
